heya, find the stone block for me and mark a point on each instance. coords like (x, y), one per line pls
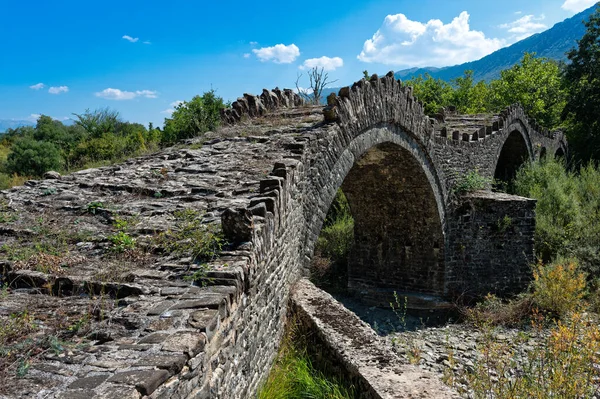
(145, 381)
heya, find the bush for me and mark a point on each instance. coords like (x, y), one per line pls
(194, 117)
(559, 287)
(33, 158)
(562, 366)
(472, 181)
(567, 211)
(337, 234)
(493, 311)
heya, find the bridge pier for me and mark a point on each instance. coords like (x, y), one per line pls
(490, 239)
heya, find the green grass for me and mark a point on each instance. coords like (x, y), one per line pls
(294, 376)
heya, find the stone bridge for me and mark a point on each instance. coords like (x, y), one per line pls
(269, 176)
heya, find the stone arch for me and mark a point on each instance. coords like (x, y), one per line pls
(515, 150)
(560, 153)
(409, 174)
(543, 153)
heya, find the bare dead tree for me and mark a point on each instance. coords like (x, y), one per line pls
(319, 79)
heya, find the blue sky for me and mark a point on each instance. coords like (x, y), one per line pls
(141, 57)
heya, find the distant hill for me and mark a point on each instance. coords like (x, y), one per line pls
(6, 124)
(552, 43)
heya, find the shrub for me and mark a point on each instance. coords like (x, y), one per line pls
(194, 117)
(328, 266)
(567, 211)
(493, 311)
(337, 234)
(33, 158)
(559, 287)
(472, 181)
(561, 366)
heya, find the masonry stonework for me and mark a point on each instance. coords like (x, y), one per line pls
(269, 176)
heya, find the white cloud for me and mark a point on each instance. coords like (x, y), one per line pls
(577, 5)
(147, 42)
(173, 105)
(279, 54)
(518, 12)
(525, 26)
(253, 43)
(37, 86)
(246, 55)
(116, 94)
(58, 89)
(402, 42)
(303, 90)
(146, 93)
(130, 39)
(328, 64)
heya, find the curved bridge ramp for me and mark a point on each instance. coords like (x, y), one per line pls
(94, 277)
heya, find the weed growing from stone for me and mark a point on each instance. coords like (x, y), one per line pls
(93, 207)
(504, 223)
(469, 182)
(192, 237)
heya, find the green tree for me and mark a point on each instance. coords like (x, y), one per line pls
(98, 122)
(582, 83)
(469, 97)
(434, 93)
(33, 158)
(194, 117)
(536, 84)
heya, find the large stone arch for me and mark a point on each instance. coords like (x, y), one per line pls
(514, 151)
(410, 255)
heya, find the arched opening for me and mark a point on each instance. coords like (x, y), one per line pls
(543, 153)
(513, 154)
(398, 239)
(560, 153)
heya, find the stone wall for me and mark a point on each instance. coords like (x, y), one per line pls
(490, 245)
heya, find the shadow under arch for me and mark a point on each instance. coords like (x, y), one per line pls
(397, 201)
(560, 153)
(515, 151)
(543, 153)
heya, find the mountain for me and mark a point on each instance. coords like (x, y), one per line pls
(552, 43)
(6, 124)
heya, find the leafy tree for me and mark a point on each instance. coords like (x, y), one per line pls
(194, 117)
(434, 93)
(535, 83)
(33, 158)
(468, 97)
(98, 122)
(582, 82)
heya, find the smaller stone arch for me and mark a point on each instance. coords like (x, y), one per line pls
(560, 153)
(514, 152)
(543, 153)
